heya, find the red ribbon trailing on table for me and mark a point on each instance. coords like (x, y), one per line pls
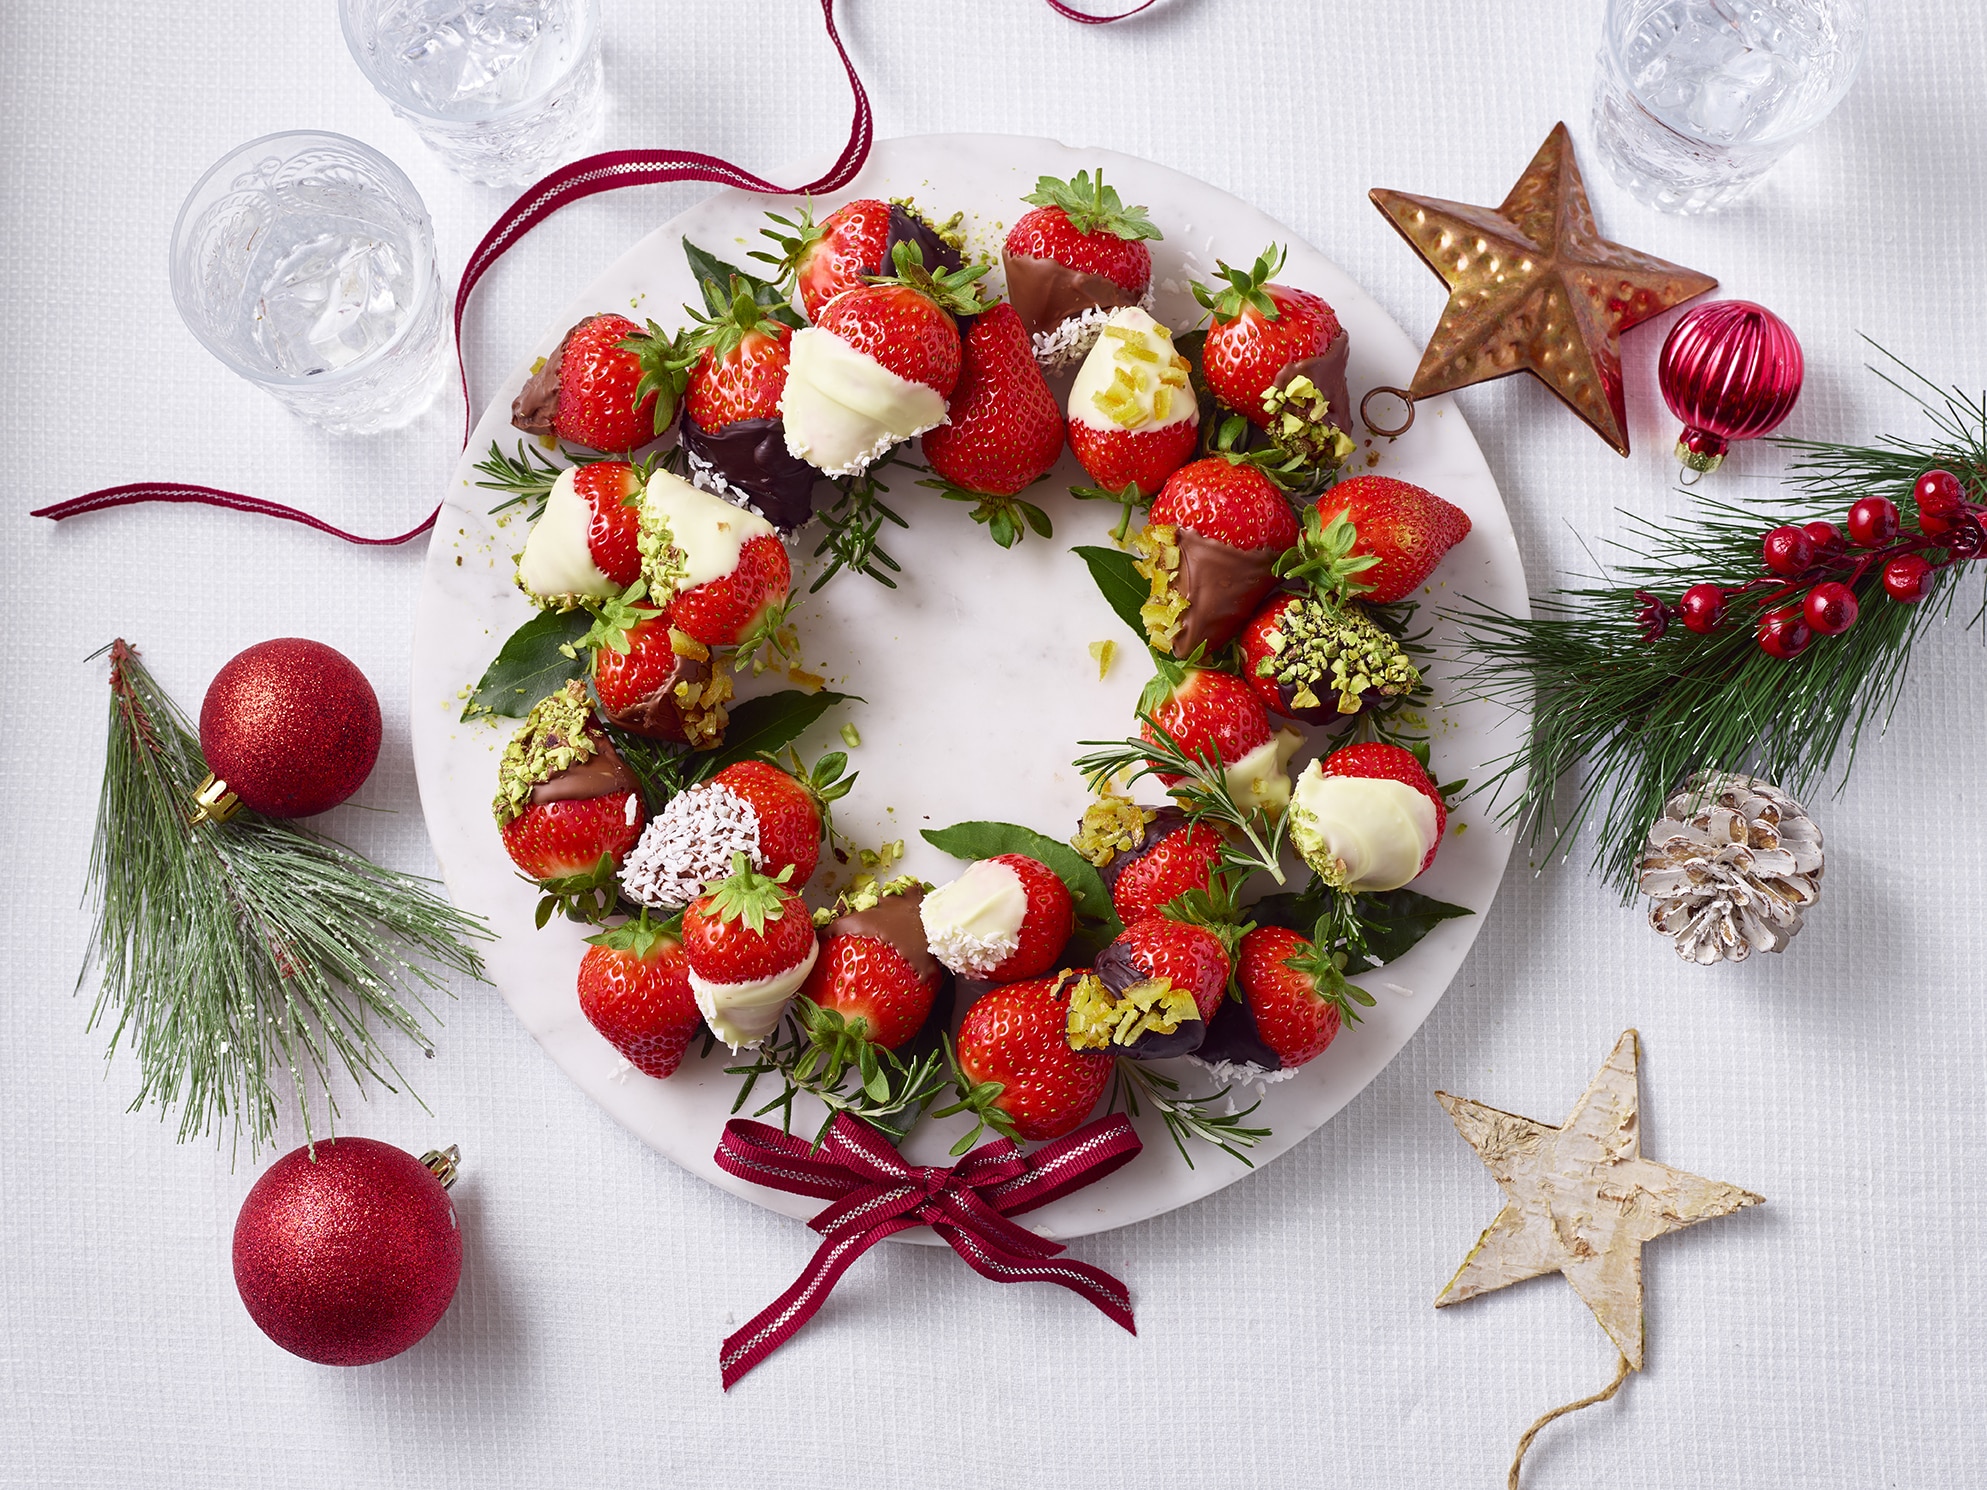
(586, 177)
(877, 1194)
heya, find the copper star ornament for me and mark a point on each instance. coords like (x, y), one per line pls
(1580, 1200)
(1534, 287)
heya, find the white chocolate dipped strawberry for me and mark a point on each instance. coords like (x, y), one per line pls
(721, 572)
(1133, 417)
(1367, 817)
(582, 547)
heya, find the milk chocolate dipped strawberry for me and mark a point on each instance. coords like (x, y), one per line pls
(1004, 918)
(1264, 337)
(609, 385)
(652, 679)
(874, 965)
(751, 807)
(751, 945)
(877, 365)
(582, 549)
(1133, 416)
(1148, 857)
(852, 245)
(1150, 994)
(1077, 257)
(1367, 817)
(1312, 658)
(567, 805)
(731, 433)
(1208, 550)
(720, 571)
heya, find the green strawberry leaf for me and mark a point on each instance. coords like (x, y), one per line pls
(762, 725)
(715, 277)
(1123, 587)
(539, 658)
(985, 840)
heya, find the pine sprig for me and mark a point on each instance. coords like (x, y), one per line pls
(1635, 717)
(228, 952)
(1198, 1118)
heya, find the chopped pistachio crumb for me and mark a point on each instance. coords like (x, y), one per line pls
(851, 737)
(1104, 653)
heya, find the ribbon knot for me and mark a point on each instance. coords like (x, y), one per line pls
(876, 1194)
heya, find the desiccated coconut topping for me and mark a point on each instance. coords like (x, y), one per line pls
(689, 843)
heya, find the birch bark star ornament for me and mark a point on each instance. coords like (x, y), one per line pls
(1533, 287)
(1580, 1200)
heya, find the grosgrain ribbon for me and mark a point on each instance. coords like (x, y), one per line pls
(586, 177)
(877, 1194)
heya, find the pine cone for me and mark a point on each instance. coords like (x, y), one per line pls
(1730, 867)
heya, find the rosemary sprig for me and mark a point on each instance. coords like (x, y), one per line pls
(231, 951)
(1636, 717)
(817, 1051)
(852, 524)
(1186, 1117)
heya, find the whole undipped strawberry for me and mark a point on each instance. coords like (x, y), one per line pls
(1208, 551)
(1368, 817)
(874, 964)
(751, 807)
(607, 385)
(1148, 856)
(634, 987)
(583, 547)
(1006, 917)
(1404, 527)
(1151, 992)
(741, 366)
(1257, 331)
(751, 945)
(1021, 1077)
(1003, 429)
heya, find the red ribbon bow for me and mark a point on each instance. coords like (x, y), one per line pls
(877, 1194)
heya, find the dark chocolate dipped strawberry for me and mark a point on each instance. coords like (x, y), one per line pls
(854, 243)
(1313, 658)
(731, 432)
(654, 680)
(1294, 1001)
(1150, 993)
(609, 385)
(1147, 856)
(1077, 257)
(1265, 338)
(1208, 551)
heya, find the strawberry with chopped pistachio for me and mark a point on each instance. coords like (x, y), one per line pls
(609, 385)
(751, 945)
(875, 969)
(1150, 994)
(567, 806)
(634, 987)
(752, 807)
(1003, 918)
(1312, 658)
(1148, 857)
(582, 549)
(1367, 818)
(854, 244)
(1133, 416)
(1265, 339)
(1208, 551)
(1017, 1073)
(652, 679)
(721, 572)
(1077, 257)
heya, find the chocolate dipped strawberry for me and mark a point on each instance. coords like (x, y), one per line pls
(751, 945)
(654, 680)
(1148, 857)
(874, 965)
(1216, 719)
(853, 245)
(1208, 551)
(1312, 658)
(1367, 817)
(1133, 416)
(1003, 918)
(1400, 529)
(567, 805)
(720, 571)
(751, 807)
(1150, 994)
(1017, 1072)
(634, 987)
(582, 549)
(609, 385)
(1263, 337)
(1077, 257)
(731, 433)
(1294, 1002)
(1003, 430)
(877, 365)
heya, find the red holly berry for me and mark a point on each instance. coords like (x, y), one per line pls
(1211, 715)
(1004, 427)
(1783, 633)
(1908, 578)
(1873, 522)
(634, 987)
(1282, 976)
(1405, 527)
(1702, 608)
(1826, 536)
(1258, 329)
(1830, 608)
(1787, 550)
(1022, 1077)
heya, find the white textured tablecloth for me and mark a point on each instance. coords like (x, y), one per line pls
(1286, 1334)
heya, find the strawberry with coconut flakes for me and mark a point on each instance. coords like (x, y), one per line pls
(1399, 530)
(752, 808)
(1133, 416)
(1150, 994)
(1004, 918)
(566, 803)
(609, 385)
(1003, 430)
(1214, 716)
(853, 245)
(721, 572)
(1079, 256)
(877, 365)
(1294, 1002)
(1367, 818)
(874, 965)
(582, 549)
(1265, 338)
(731, 432)
(751, 945)
(634, 988)
(1148, 857)
(1018, 1074)
(1208, 551)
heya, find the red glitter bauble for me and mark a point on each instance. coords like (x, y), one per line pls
(291, 726)
(1730, 370)
(351, 1258)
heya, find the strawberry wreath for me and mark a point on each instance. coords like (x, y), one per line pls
(1152, 954)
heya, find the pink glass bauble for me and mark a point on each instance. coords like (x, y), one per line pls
(1730, 370)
